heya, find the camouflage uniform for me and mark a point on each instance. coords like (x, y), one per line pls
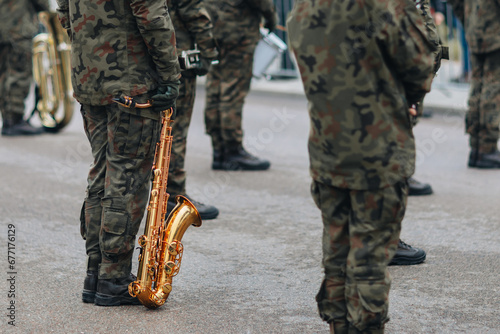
(236, 29)
(118, 48)
(482, 31)
(19, 26)
(192, 25)
(362, 64)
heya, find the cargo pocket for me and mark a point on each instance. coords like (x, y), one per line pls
(115, 232)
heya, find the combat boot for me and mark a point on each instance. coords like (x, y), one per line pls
(114, 292)
(20, 128)
(89, 287)
(484, 160)
(417, 188)
(235, 158)
(407, 255)
(206, 211)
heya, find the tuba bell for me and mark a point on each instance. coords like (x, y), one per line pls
(54, 100)
(161, 248)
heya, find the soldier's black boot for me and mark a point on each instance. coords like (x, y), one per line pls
(417, 188)
(235, 157)
(114, 292)
(19, 128)
(217, 159)
(89, 287)
(206, 211)
(484, 160)
(407, 255)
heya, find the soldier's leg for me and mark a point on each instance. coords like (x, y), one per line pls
(180, 127)
(472, 118)
(490, 104)
(374, 229)
(19, 78)
(334, 204)
(234, 88)
(131, 147)
(212, 105)
(95, 123)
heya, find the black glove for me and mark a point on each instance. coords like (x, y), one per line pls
(205, 64)
(271, 20)
(165, 96)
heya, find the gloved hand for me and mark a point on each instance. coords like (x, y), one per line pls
(205, 64)
(165, 96)
(271, 20)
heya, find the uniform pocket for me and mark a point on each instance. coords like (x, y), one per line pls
(115, 231)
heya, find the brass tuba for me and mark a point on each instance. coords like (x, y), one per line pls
(52, 73)
(161, 248)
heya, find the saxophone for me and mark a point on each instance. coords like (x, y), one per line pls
(52, 73)
(161, 248)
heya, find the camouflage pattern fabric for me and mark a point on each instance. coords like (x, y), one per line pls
(360, 76)
(15, 79)
(19, 26)
(192, 26)
(362, 63)
(123, 148)
(360, 236)
(236, 29)
(19, 19)
(482, 32)
(180, 128)
(119, 47)
(482, 120)
(481, 23)
(227, 86)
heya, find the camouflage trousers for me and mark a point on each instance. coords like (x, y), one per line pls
(180, 127)
(123, 147)
(483, 116)
(227, 86)
(15, 79)
(360, 236)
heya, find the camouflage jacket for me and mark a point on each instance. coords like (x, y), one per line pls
(362, 64)
(119, 47)
(18, 19)
(481, 21)
(192, 25)
(237, 21)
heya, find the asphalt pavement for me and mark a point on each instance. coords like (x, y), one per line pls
(256, 268)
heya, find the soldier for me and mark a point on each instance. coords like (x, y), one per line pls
(482, 31)
(236, 29)
(193, 28)
(118, 48)
(19, 26)
(364, 64)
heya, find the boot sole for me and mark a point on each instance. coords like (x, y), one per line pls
(88, 296)
(107, 300)
(407, 261)
(229, 166)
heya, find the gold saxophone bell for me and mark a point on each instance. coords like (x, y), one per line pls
(161, 248)
(52, 73)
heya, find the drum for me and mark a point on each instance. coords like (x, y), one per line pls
(268, 49)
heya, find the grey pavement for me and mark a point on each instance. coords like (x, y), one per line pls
(256, 268)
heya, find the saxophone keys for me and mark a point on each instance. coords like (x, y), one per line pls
(169, 267)
(167, 288)
(142, 240)
(172, 248)
(134, 288)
